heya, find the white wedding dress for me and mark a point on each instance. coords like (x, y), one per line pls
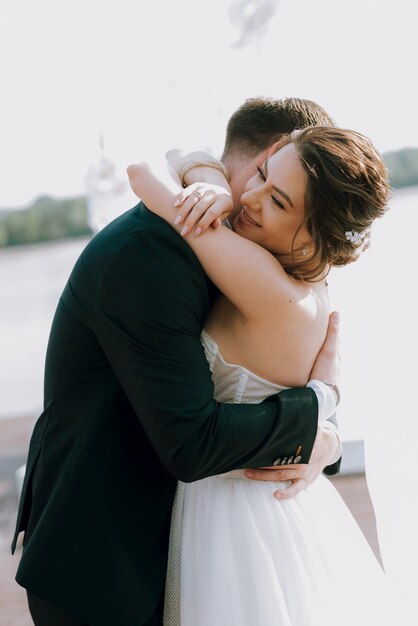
(239, 557)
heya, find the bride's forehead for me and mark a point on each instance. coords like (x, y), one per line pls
(286, 163)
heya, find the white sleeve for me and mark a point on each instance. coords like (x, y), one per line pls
(327, 404)
(327, 399)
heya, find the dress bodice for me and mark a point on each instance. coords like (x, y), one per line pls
(234, 383)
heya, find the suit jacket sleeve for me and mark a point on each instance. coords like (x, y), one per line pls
(148, 319)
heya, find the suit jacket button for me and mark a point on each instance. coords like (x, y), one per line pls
(277, 462)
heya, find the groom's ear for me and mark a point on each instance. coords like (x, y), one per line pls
(273, 148)
(284, 140)
(263, 155)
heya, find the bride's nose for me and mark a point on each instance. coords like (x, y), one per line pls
(252, 198)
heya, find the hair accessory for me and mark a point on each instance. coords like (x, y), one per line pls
(354, 237)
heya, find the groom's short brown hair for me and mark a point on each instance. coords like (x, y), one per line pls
(260, 122)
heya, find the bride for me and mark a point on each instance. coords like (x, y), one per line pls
(239, 557)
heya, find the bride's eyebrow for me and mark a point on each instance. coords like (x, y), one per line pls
(279, 191)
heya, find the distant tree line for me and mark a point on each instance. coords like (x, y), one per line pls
(45, 219)
(403, 167)
(49, 218)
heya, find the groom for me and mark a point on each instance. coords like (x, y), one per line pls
(129, 410)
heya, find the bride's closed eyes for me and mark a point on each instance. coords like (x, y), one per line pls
(264, 178)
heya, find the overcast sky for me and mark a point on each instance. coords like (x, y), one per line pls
(153, 75)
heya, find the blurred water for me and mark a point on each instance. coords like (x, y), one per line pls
(32, 278)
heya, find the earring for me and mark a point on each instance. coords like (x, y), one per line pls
(304, 251)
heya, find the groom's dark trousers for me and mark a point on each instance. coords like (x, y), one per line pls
(128, 411)
(44, 614)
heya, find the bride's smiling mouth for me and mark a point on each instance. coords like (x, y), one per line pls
(246, 220)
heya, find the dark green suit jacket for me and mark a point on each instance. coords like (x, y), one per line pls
(129, 410)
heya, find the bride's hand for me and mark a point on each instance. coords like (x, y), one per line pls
(300, 475)
(202, 205)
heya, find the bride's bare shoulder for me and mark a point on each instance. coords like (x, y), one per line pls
(301, 301)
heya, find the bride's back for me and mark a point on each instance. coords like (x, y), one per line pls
(280, 345)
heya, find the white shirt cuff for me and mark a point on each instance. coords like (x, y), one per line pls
(327, 399)
(327, 404)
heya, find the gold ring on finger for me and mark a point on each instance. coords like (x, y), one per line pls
(198, 194)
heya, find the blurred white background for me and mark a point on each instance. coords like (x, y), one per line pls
(155, 75)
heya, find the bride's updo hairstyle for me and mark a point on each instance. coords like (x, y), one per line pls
(347, 190)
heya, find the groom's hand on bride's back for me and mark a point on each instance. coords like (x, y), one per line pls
(327, 364)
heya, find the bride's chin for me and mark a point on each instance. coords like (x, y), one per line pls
(234, 223)
(241, 231)
(237, 228)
